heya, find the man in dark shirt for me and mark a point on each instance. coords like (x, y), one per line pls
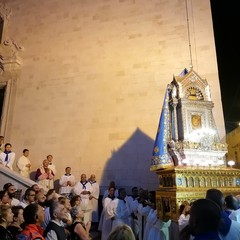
(55, 229)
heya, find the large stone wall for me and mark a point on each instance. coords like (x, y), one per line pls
(93, 77)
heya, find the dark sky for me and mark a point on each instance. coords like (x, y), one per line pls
(226, 24)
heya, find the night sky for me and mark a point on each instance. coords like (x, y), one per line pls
(226, 24)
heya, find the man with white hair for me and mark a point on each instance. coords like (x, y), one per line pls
(55, 229)
(45, 176)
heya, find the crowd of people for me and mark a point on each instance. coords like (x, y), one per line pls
(41, 215)
(44, 174)
(69, 214)
(214, 217)
(127, 217)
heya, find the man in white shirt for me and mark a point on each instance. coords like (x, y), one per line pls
(107, 215)
(111, 184)
(84, 189)
(7, 157)
(29, 197)
(94, 197)
(67, 181)
(51, 165)
(11, 189)
(120, 209)
(133, 203)
(24, 164)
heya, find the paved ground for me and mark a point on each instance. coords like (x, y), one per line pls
(95, 236)
(94, 233)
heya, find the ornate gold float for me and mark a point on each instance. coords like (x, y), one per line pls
(188, 156)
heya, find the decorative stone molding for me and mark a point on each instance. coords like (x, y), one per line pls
(10, 65)
(5, 13)
(9, 48)
(9, 59)
(13, 44)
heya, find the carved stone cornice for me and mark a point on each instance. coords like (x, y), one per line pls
(9, 48)
(5, 13)
(13, 44)
(9, 59)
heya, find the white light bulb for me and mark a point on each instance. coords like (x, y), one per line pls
(231, 163)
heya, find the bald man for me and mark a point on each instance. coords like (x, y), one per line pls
(84, 189)
(94, 197)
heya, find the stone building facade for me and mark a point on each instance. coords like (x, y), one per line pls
(87, 79)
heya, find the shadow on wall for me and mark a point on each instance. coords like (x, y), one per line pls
(130, 164)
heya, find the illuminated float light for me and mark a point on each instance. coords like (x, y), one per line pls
(210, 163)
(198, 162)
(185, 161)
(220, 162)
(231, 163)
(203, 134)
